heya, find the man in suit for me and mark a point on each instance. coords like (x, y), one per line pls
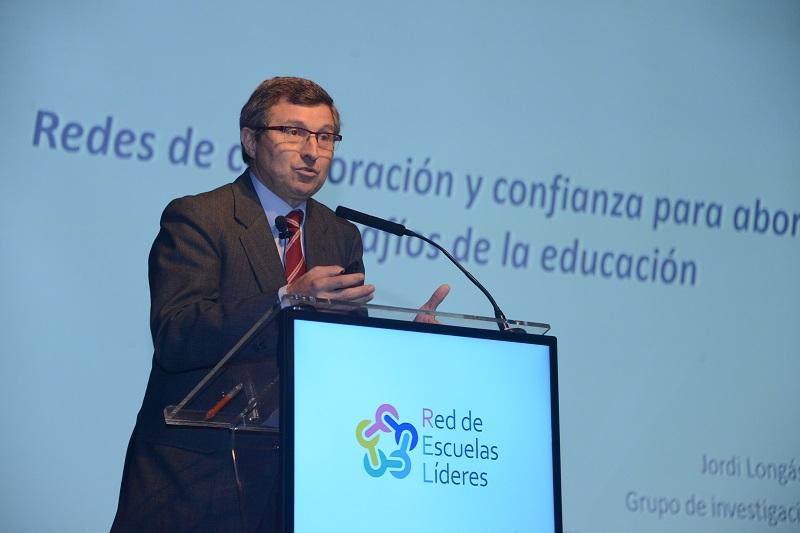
(215, 267)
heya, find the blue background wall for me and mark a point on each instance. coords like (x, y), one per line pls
(664, 104)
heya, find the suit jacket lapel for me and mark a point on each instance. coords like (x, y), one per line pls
(316, 240)
(256, 236)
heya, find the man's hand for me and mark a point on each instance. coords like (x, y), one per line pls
(433, 302)
(331, 282)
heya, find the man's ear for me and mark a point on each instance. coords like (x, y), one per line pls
(248, 139)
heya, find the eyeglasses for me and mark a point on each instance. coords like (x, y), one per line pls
(296, 135)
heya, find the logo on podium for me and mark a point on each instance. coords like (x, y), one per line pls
(389, 454)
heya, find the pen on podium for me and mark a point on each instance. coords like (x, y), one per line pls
(225, 400)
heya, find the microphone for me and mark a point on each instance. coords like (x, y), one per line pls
(374, 222)
(283, 227)
(400, 230)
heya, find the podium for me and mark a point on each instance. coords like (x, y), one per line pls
(394, 419)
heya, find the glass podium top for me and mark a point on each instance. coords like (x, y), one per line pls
(241, 392)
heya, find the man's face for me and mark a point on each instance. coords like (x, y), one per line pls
(293, 171)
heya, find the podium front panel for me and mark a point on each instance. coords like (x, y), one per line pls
(401, 426)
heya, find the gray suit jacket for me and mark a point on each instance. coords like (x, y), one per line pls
(214, 270)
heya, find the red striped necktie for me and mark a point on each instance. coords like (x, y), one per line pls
(295, 264)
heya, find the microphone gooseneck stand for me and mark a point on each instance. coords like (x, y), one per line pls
(400, 230)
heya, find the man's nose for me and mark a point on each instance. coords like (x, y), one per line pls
(309, 149)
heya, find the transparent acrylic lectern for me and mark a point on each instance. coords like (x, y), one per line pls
(242, 393)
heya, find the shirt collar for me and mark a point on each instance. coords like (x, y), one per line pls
(273, 204)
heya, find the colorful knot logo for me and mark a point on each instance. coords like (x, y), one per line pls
(376, 463)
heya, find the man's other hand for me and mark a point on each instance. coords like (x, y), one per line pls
(331, 282)
(433, 302)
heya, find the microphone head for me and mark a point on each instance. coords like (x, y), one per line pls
(374, 222)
